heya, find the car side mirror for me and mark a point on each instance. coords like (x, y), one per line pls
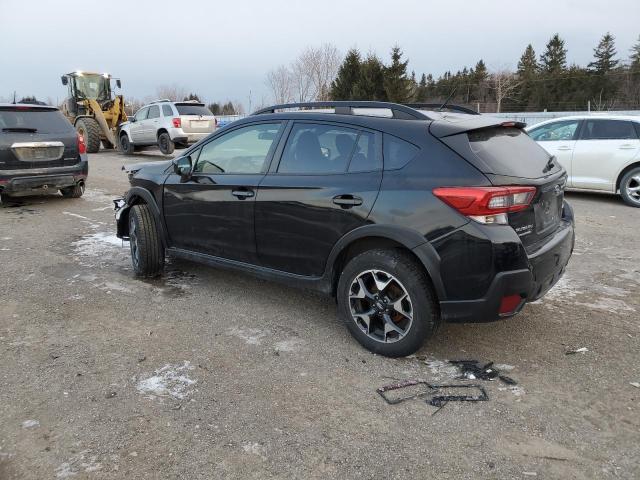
(182, 166)
(64, 79)
(133, 120)
(118, 83)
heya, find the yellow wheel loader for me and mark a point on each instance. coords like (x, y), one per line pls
(93, 108)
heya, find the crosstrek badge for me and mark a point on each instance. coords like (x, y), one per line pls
(524, 230)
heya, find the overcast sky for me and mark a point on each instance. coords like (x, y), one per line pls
(223, 49)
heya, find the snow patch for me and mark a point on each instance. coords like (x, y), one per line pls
(30, 424)
(78, 463)
(168, 381)
(290, 345)
(97, 244)
(253, 449)
(611, 305)
(251, 336)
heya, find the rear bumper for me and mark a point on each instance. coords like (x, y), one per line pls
(178, 135)
(36, 180)
(545, 267)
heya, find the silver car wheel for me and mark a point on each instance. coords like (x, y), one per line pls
(380, 306)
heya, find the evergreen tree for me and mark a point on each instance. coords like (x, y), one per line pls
(215, 108)
(635, 55)
(528, 69)
(348, 75)
(528, 65)
(421, 92)
(192, 96)
(397, 85)
(554, 59)
(604, 55)
(370, 83)
(479, 81)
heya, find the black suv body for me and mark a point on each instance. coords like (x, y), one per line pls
(409, 219)
(40, 151)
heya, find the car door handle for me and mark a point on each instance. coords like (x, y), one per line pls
(627, 147)
(564, 148)
(347, 201)
(242, 194)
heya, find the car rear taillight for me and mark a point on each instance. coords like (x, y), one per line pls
(82, 147)
(486, 204)
(177, 122)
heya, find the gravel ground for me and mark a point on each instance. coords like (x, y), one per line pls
(210, 374)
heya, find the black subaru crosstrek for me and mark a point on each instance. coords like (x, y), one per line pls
(409, 217)
(40, 152)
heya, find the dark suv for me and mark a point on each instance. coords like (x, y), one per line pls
(409, 217)
(40, 151)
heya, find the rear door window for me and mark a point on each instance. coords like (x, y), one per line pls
(42, 120)
(320, 149)
(608, 130)
(565, 130)
(167, 111)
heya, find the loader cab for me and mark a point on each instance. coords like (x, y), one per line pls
(85, 85)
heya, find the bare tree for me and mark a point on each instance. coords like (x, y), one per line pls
(301, 79)
(280, 82)
(309, 76)
(323, 64)
(173, 92)
(503, 83)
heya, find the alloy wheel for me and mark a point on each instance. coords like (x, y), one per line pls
(380, 306)
(633, 188)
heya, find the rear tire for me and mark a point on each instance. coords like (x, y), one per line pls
(394, 320)
(165, 143)
(75, 191)
(630, 188)
(107, 145)
(147, 252)
(125, 144)
(90, 131)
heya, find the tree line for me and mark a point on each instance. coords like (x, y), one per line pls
(539, 83)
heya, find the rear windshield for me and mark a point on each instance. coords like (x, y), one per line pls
(43, 121)
(193, 110)
(510, 152)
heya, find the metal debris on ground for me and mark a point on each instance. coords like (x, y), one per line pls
(472, 370)
(442, 400)
(577, 350)
(438, 395)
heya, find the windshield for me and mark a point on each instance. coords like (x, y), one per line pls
(93, 86)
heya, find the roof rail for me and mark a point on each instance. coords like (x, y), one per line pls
(346, 108)
(160, 101)
(439, 107)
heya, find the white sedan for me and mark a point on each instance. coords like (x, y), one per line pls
(600, 152)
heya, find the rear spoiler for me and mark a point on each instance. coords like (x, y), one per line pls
(453, 126)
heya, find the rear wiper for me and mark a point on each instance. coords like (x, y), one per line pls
(550, 164)
(20, 129)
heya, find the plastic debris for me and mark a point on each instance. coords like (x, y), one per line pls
(577, 350)
(635, 384)
(472, 370)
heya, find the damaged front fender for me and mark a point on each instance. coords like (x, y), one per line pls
(122, 218)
